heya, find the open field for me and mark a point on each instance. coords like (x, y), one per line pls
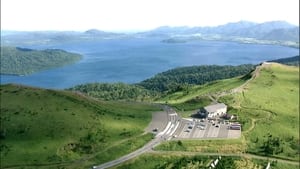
(46, 127)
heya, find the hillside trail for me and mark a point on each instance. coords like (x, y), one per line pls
(255, 74)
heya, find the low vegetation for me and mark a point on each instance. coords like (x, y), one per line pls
(23, 61)
(174, 161)
(272, 102)
(46, 127)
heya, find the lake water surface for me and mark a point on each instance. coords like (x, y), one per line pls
(133, 60)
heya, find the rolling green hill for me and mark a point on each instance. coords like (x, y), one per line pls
(23, 61)
(267, 107)
(41, 127)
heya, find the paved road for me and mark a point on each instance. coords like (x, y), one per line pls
(134, 154)
(166, 134)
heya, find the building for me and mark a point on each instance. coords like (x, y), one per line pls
(215, 110)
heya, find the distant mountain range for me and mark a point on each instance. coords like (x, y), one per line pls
(243, 31)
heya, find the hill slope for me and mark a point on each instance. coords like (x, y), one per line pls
(48, 127)
(267, 106)
(22, 61)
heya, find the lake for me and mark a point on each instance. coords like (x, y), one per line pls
(132, 60)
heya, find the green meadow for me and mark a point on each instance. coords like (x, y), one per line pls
(48, 128)
(272, 101)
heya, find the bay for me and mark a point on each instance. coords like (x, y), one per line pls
(131, 60)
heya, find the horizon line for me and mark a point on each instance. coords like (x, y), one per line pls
(134, 30)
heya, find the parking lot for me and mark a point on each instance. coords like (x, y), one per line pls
(204, 129)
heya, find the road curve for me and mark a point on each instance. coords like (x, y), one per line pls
(166, 134)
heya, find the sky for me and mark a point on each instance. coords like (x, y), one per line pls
(131, 15)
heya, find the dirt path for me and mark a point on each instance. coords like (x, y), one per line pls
(240, 88)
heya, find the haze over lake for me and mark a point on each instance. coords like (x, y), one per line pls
(135, 59)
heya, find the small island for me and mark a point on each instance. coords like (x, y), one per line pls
(24, 61)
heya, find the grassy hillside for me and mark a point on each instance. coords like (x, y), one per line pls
(175, 161)
(43, 127)
(271, 102)
(22, 61)
(267, 107)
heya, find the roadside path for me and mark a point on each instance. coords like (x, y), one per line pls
(245, 155)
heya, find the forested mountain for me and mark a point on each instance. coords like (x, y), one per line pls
(175, 79)
(22, 61)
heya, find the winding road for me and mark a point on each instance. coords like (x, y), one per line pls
(166, 134)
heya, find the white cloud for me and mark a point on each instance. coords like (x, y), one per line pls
(139, 14)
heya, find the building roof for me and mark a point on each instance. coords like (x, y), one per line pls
(215, 107)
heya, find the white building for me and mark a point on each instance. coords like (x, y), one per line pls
(215, 110)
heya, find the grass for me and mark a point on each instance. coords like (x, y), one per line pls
(204, 146)
(268, 110)
(40, 126)
(150, 161)
(272, 101)
(172, 161)
(202, 90)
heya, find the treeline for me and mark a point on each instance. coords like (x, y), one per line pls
(115, 91)
(176, 79)
(23, 61)
(162, 84)
(293, 61)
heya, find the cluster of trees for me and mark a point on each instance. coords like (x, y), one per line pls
(163, 83)
(115, 91)
(175, 79)
(22, 61)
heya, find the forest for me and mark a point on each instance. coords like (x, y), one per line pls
(174, 80)
(163, 83)
(23, 61)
